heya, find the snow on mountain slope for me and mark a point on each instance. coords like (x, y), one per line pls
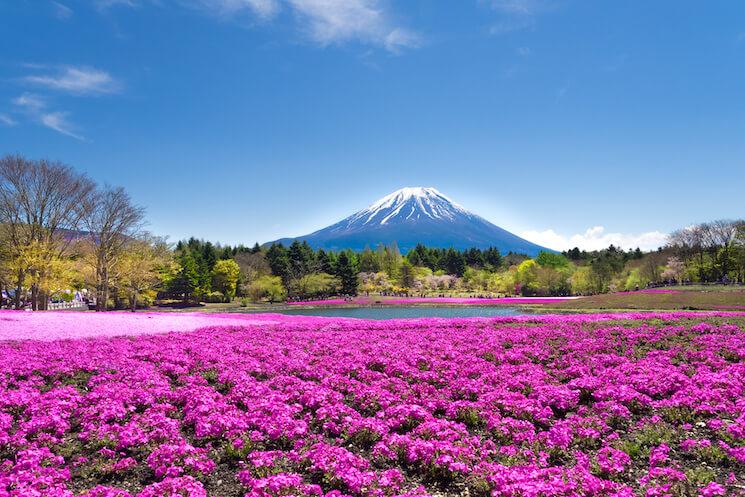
(409, 203)
(416, 215)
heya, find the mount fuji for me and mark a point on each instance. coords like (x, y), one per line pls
(416, 215)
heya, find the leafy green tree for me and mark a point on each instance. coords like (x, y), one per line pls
(553, 281)
(225, 276)
(527, 277)
(267, 287)
(407, 274)
(301, 258)
(454, 262)
(581, 281)
(206, 253)
(575, 254)
(186, 281)
(602, 272)
(346, 270)
(634, 280)
(316, 285)
(493, 258)
(423, 256)
(146, 266)
(390, 259)
(476, 279)
(325, 261)
(552, 260)
(474, 258)
(369, 261)
(228, 253)
(279, 262)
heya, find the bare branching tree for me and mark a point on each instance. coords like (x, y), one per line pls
(253, 266)
(41, 206)
(722, 235)
(113, 222)
(713, 248)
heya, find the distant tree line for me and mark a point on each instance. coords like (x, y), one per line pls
(62, 236)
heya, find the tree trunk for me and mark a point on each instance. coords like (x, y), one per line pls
(98, 297)
(134, 302)
(102, 297)
(701, 266)
(106, 294)
(34, 295)
(19, 288)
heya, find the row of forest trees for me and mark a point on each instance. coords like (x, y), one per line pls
(298, 271)
(61, 234)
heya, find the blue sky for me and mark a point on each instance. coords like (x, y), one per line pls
(569, 122)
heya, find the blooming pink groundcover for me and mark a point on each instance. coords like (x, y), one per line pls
(270, 406)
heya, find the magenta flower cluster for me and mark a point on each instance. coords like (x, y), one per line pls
(549, 406)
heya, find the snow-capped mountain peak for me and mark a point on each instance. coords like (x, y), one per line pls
(414, 215)
(410, 203)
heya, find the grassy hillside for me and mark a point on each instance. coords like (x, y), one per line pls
(716, 298)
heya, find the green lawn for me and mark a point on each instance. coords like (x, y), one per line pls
(715, 298)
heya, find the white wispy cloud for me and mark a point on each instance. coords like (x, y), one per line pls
(596, 238)
(59, 123)
(338, 21)
(518, 15)
(262, 8)
(325, 22)
(30, 102)
(106, 4)
(36, 108)
(400, 39)
(512, 25)
(80, 80)
(6, 120)
(61, 11)
(521, 7)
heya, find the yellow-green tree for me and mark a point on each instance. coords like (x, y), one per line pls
(225, 277)
(41, 202)
(146, 265)
(44, 269)
(316, 285)
(582, 281)
(267, 287)
(527, 276)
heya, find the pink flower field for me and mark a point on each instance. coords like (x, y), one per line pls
(60, 325)
(270, 406)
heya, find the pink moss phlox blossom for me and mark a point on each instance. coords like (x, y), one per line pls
(613, 461)
(184, 486)
(712, 489)
(659, 456)
(174, 459)
(104, 491)
(279, 485)
(515, 406)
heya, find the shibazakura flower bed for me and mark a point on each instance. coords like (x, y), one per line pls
(528, 406)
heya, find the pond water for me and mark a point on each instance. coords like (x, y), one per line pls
(400, 312)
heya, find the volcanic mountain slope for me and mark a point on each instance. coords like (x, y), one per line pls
(416, 215)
